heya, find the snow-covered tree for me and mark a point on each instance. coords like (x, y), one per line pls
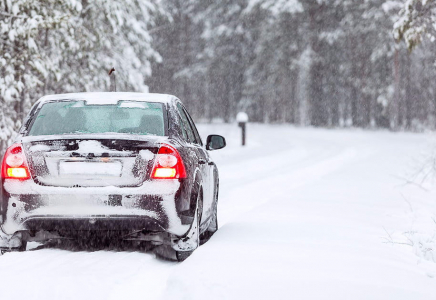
(277, 42)
(52, 46)
(417, 19)
(23, 64)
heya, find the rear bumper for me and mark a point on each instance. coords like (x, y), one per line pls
(67, 224)
(151, 207)
(29, 187)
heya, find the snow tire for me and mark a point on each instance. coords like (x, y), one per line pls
(213, 226)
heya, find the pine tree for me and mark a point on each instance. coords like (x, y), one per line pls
(54, 46)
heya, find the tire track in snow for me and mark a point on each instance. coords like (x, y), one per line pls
(321, 244)
(268, 188)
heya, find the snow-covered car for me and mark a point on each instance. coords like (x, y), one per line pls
(121, 165)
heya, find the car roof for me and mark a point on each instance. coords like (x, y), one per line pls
(103, 98)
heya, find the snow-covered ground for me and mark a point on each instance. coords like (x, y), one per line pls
(304, 214)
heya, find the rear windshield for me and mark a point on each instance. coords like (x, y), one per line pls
(76, 117)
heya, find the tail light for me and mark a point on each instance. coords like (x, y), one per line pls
(14, 164)
(168, 164)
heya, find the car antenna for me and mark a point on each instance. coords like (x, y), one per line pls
(113, 83)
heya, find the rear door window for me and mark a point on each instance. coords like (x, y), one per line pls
(77, 117)
(194, 129)
(182, 128)
(185, 122)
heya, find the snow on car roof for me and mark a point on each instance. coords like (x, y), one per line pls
(109, 97)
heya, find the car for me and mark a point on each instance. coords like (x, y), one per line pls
(128, 166)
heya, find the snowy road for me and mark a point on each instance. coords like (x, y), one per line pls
(304, 214)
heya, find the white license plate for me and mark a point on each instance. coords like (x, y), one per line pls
(90, 168)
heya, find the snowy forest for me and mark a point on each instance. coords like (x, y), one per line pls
(327, 63)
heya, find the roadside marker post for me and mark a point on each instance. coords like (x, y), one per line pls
(242, 119)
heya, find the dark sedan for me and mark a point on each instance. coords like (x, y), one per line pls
(125, 166)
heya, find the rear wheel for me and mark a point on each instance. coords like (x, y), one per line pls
(22, 248)
(182, 255)
(190, 241)
(213, 226)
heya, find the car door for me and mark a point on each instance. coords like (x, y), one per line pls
(194, 141)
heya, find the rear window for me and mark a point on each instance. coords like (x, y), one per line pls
(76, 117)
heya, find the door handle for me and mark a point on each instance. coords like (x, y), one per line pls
(211, 163)
(201, 162)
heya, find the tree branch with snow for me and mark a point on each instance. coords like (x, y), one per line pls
(417, 19)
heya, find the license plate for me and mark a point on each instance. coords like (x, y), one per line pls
(90, 168)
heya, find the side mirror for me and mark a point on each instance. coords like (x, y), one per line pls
(215, 142)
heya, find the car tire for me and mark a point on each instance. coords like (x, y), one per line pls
(213, 226)
(22, 248)
(167, 252)
(182, 255)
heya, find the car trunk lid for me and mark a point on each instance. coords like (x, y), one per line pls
(90, 162)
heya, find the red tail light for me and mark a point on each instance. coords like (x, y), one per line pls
(14, 164)
(168, 164)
